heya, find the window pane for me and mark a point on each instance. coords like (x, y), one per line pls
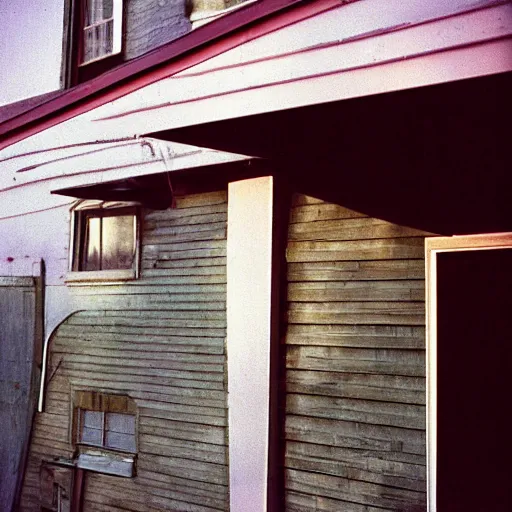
(98, 41)
(98, 37)
(107, 39)
(108, 241)
(118, 242)
(120, 441)
(91, 436)
(108, 9)
(88, 45)
(92, 419)
(97, 11)
(121, 423)
(92, 244)
(92, 11)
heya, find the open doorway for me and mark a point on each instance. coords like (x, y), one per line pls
(469, 360)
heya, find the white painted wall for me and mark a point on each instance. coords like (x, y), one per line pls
(35, 224)
(40, 236)
(249, 253)
(30, 47)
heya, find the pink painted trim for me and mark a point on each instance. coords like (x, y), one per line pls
(73, 174)
(84, 153)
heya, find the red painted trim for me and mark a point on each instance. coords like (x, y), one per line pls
(225, 33)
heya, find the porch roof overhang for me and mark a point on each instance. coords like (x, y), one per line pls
(158, 189)
(154, 191)
(436, 158)
(132, 167)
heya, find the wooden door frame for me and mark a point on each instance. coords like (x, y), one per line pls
(434, 246)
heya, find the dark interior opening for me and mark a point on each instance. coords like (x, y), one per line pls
(474, 446)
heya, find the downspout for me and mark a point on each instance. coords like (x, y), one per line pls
(45, 361)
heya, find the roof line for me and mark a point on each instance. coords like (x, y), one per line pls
(196, 46)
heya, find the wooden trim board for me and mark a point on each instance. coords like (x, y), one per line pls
(433, 246)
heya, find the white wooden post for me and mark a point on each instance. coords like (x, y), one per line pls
(249, 256)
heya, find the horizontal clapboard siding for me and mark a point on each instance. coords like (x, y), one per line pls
(164, 347)
(355, 362)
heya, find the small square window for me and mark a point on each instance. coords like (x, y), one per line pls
(105, 433)
(105, 244)
(109, 430)
(108, 240)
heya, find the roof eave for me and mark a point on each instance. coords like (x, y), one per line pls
(95, 92)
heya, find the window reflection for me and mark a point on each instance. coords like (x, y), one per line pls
(117, 244)
(108, 241)
(98, 37)
(92, 256)
(97, 11)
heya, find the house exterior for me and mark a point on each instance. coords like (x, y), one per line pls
(224, 246)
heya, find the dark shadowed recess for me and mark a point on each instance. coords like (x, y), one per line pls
(474, 365)
(436, 158)
(156, 191)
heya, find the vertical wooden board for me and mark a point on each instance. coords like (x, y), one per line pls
(17, 380)
(355, 330)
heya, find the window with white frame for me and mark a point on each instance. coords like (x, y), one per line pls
(102, 29)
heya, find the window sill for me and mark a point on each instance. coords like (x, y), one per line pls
(100, 276)
(107, 463)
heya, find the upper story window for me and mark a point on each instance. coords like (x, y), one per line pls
(105, 241)
(92, 39)
(102, 29)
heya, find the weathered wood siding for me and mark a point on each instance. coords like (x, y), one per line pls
(160, 340)
(355, 355)
(149, 24)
